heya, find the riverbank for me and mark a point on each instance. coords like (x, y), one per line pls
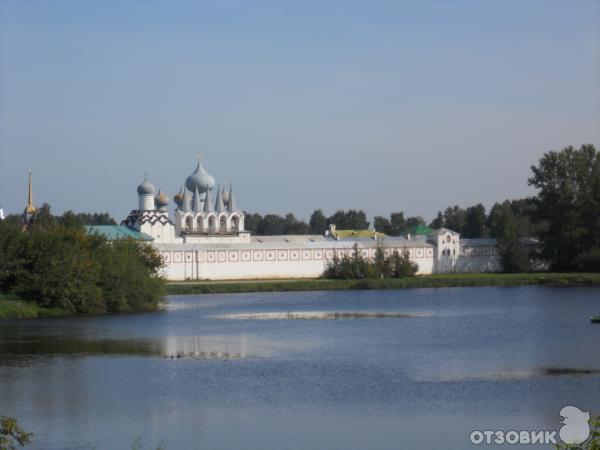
(424, 281)
(14, 308)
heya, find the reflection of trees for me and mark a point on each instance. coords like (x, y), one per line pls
(21, 351)
(13, 349)
(207, 347)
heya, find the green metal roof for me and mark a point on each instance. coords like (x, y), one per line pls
(421, 230)
(114, 232)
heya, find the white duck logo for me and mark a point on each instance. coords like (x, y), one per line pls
(576, 427)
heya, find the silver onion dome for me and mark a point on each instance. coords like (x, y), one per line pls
(200, 180)
(146, 188)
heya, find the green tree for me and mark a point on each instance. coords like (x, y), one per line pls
(360, 267)
(455, 218)
(292, 225)
(252, 221)
(513, 257)
(402, 266)
(349, 220)
(318, 222)
(59, 269)
(128, 276)
(43, 217)
(495, 220)
(398, 224)
(12, 435)
(270, 225)
(438, 222)
(60, 265)
(382, 264)
(382, 225)
(96, 219)
(475, 222)
(413, 222)
(568, 199)
(70, 219)
(11, 260)
(524, 210)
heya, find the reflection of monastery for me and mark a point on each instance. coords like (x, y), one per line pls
(205, 239)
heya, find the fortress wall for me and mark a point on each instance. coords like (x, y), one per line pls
(259, 263)
(489, 263)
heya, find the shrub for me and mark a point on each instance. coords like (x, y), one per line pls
(382, 266)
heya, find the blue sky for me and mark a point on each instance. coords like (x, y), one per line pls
(382, 106)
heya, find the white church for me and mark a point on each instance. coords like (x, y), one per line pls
(205, 239)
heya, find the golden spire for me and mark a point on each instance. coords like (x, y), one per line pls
(30, 208)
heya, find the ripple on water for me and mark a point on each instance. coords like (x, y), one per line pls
(539, 372)
(320, 315)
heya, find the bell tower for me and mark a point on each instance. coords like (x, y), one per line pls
(29, 211)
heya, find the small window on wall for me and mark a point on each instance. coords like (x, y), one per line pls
(448, 238)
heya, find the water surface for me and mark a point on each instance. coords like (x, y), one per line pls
(309, 370)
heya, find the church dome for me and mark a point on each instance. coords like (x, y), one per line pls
(200, 180)
(146, 188)
(178, 198)
(161, 200)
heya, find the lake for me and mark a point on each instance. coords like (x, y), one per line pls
(329, 370)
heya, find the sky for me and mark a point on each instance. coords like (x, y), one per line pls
(377, 105)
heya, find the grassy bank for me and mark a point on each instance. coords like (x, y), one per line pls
(425, 281)
(14, 308)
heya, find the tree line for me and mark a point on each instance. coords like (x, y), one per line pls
(273, 224)
(69, 218)
(470, 222)
(564, 216)
(56, 263)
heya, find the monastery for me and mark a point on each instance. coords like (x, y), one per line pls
(205, 239)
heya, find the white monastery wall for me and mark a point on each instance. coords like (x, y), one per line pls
(266, 262)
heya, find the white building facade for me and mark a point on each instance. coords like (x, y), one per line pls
(206, 240)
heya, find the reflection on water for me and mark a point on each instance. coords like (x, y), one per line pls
(321, 315)
(54, 346)
(536, 372)
(199, 347)
(209, 347)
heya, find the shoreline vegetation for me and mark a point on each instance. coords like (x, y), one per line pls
(49, 267)
(13, 307)
(422, 281)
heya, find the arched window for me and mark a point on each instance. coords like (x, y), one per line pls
(211, 224)
(189, 224)
(235, 223)
(223, 225)
(200, 224)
